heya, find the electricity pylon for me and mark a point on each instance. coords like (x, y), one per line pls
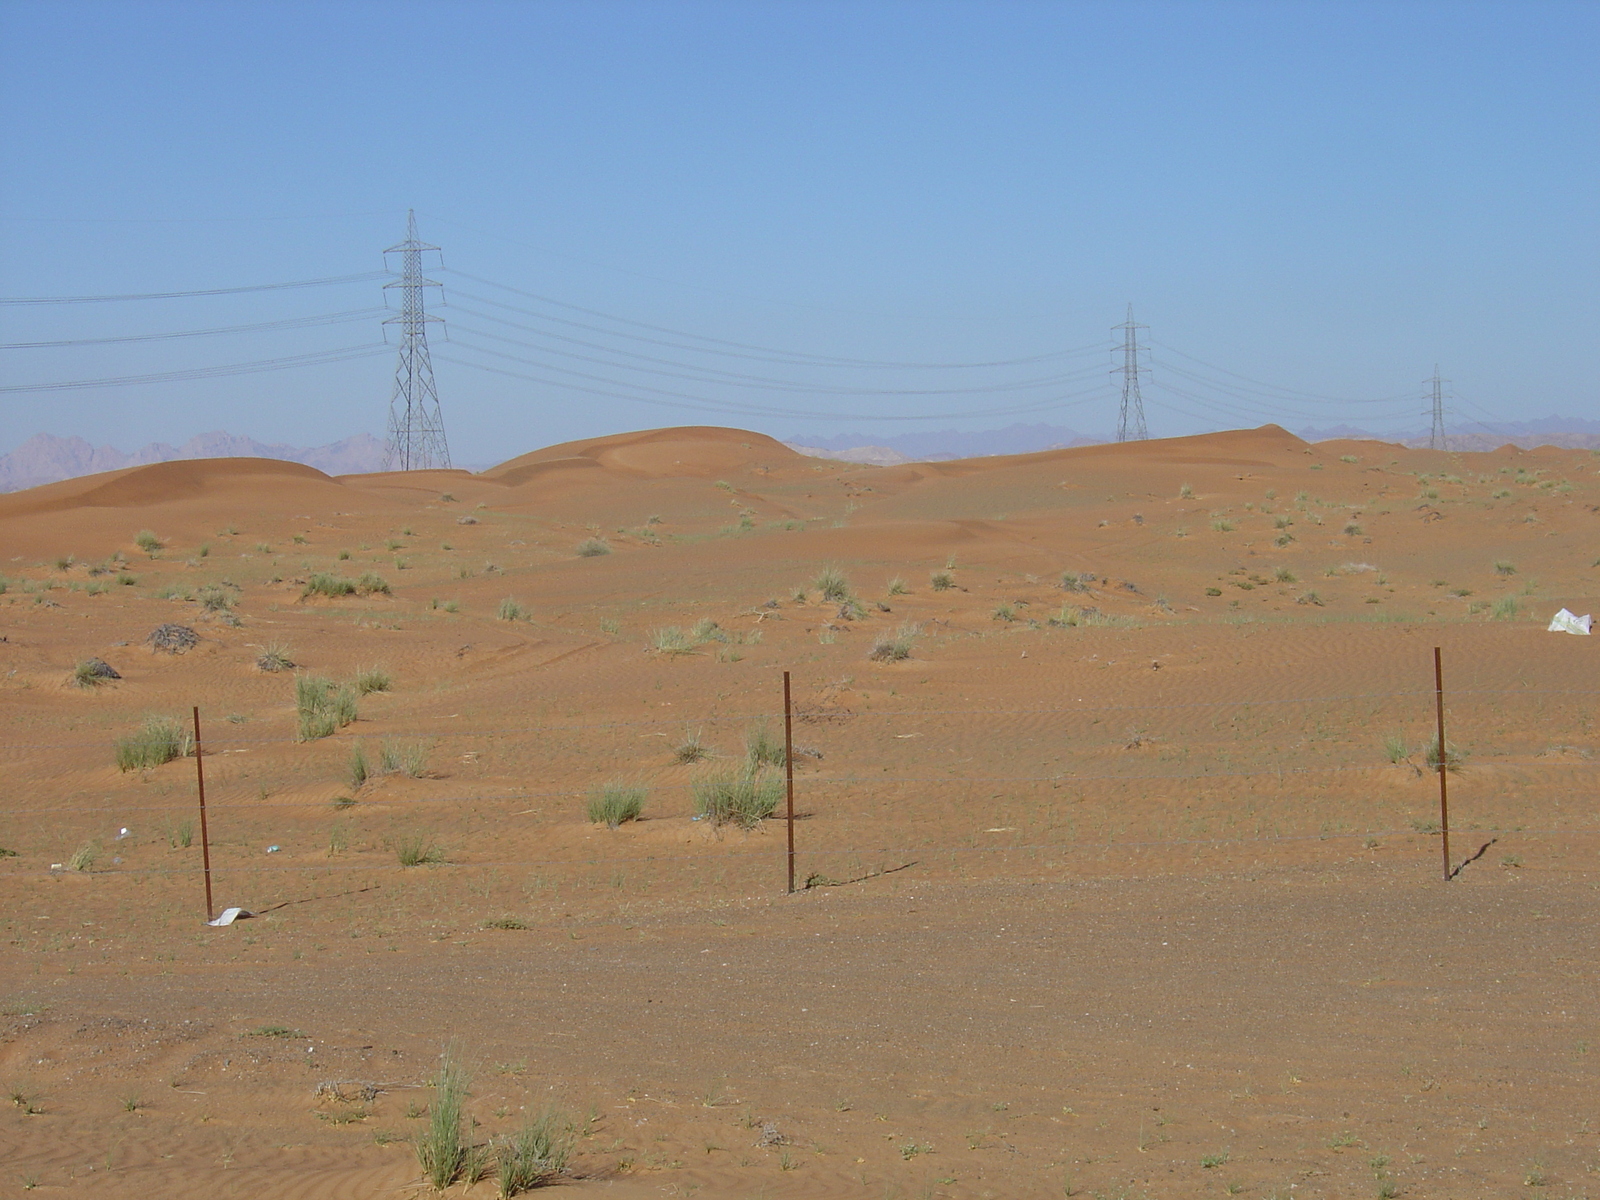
(1130, 420)
(1436, 438)
(415, 440)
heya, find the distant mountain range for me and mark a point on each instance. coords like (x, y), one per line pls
(45, 458)
(1571, 432)
(940, 445)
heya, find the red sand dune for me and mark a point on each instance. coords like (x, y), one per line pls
(1124, 881)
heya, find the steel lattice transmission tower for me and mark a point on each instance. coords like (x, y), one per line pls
(1436, 438)
(1130, 420)
(415, 441)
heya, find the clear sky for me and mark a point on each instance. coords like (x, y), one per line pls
(1326, 198)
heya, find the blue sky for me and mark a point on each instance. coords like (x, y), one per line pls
(1324, 198)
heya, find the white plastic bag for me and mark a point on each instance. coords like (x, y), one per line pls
(1565, 622)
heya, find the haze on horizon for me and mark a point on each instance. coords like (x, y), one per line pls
(1327, 198)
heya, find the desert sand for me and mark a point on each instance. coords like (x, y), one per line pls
(1125, 881)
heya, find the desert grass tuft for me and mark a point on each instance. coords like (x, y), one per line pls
(691, 749)
(1394, 746)
(181, 835)
(942, 581)
(418, 850)
(360, 770)
(534, 1155)
(894, 647)
(147, 541)
(274, 657)
(762, 749)
(1505, 568)
(741, 799)
(83, 858)
(593, 548)
(830, 581)
(159, 740)
(91, 673)
(673, 640)
(405, 758)
(511, 610)
(1505, 608)
(613, 803)
(1454, 757)
(897, 586)
(443, 1148)
(322, 709)
(371, 679)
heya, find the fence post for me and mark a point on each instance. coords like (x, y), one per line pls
(788, 770)
(1444, 797)
(205, 839)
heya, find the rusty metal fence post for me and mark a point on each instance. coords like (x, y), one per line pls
(1443, 757)
(205, 838)
(788, 769)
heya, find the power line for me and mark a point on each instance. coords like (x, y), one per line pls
(319, 358)
(362, 277)
(689, 401)
(756, 381)
(797, 358)
(338, 318)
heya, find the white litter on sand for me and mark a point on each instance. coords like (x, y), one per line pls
(1566, 622)
(230, 915)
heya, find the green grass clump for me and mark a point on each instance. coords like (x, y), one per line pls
(942, 581)
(147, 541)
(1505, 608)
(418, 850)
(897, 586)
(510, 610)
(87, 674)
(181, 835)
(613, 803)
(535, 1155)
(360, 769)
(405, 758)
(371, 679)
(593, 547)
(1394, 746)
(1003, 612)
(214, 598)
(159, 740)
(830, 581)
(762, 749)
(1454, 758)
(742, 799)
(894, 647)
(691, 749)
(324, 584)
(673, 640)
(443, 1149)
(274, 657)
(84, 856)
(1505, 568)
(322, 708)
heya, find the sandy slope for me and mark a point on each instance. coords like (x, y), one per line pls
(1115, 885)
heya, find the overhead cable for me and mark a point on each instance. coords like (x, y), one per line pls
(342, 354)
(792, 356)
(361, 277)
(338, 318)
(684, 400)
(774, 385)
